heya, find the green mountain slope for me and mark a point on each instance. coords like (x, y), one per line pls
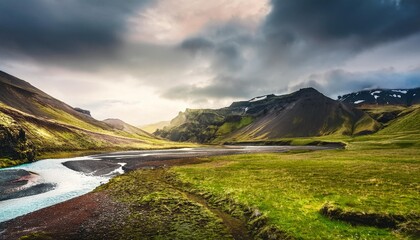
(22, 96)
(32, 122)
(301, 114)
(407, 121)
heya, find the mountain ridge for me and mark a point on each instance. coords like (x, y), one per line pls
(381, 96)
(32, 122)
(303, 113)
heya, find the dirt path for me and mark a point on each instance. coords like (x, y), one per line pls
(67, 220)
(236, 227)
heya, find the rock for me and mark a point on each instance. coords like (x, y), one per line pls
(94, 167)
(86, 112)
(14, 144)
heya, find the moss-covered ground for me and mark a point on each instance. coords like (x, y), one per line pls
(375, 179)
(370, 190)
(158, 209)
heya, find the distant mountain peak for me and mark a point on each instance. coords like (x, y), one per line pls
(115, 123)
(303, 92)
(380, 96)
(80, 110)
(123, 126)
(308, 92)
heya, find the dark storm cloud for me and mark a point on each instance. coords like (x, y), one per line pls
(225, 40)
(367, 22)
(197, 45)
(223, 47)
(63, 27)
(302, 36)
(220, 88)
(299, 38)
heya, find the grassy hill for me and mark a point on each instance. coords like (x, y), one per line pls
(406, 121)
(33, 123)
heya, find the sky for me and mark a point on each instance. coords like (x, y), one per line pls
(143, 61)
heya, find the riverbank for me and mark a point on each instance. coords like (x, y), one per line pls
(140, 204)
(336, 194)
(67, 220)
(80, 175)
(4, 163)
(72, 153)
(18, 183)
(136, 160)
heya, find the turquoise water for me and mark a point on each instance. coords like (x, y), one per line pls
(69, 184)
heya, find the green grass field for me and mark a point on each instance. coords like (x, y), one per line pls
(369, 190)
(375, 175)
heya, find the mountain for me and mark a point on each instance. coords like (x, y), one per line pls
(20, 95)
(405, 97)
(132, 131)
(304, 113)
(151, 128)
(32, 122)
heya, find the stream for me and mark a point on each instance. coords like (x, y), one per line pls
(68, 184)
(72, 177)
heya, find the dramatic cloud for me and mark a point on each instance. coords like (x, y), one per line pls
(363, 23)
(299, 38)
(174, 20)
(160, 56)
(220, 88)
(318, 34)
(49, 27)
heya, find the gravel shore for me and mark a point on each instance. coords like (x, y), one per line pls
(21, 183)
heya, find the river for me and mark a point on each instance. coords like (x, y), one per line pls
(73, 177)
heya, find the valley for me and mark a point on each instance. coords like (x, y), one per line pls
(208, 120)
(292, 166)
(35, 125)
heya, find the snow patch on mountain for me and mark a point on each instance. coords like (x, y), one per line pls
(256, 99)
(400, 91)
